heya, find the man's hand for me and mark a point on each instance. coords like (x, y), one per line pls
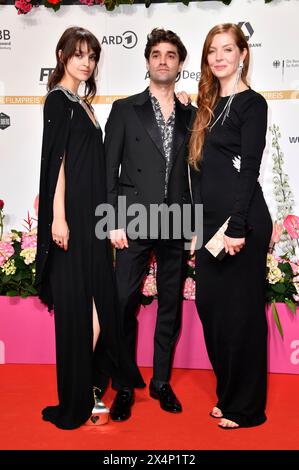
(233, 245)
(119, 239)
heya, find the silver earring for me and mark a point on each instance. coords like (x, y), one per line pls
(241, 64)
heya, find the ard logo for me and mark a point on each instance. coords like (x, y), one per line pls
(4, 121)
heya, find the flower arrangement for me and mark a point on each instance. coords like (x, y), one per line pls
(282, 284)
(17, 259)
(282, 262)
(18, 251)
(25, 6)
(149, 287)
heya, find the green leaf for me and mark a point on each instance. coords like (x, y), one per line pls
(19, 276)
(280, 287)
(109, 4)
(11, 293)
(276, 319)
(19, 263)
(291, 305)
(23, 295)
(31, 290)
(54, 7)
(286, 268)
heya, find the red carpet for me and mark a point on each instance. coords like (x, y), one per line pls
(26, 389)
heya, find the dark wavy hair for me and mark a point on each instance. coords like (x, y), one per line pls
(161, 35)
(67, 44)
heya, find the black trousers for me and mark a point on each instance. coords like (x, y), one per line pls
(131, 266)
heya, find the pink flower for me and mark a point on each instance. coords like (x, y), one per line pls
(276, 232)
(291, 224)
(7, 237)
(29, 240)
(294, 267)
(153, 264)
(189, 289)
(6, 251)
(23, 6)
(150, 286)
(191, 262)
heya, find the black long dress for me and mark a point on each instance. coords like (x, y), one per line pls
(70, 280)
(230, 294)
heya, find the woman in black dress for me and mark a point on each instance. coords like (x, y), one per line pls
(74, 269)
(226, 149)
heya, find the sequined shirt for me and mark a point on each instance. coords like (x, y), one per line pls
(167, 131)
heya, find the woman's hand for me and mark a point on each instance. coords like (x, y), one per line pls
(60, 232)
(183, 97)
(233, 245)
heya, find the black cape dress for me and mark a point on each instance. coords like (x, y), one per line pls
(231, 293)
(70, 280)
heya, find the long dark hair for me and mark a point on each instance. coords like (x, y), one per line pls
(208, 89)
(67, 44)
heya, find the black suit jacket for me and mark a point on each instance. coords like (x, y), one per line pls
(135, 160)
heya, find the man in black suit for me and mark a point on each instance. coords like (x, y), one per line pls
(146, 157)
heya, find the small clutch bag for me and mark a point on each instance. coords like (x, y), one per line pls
(215, 245)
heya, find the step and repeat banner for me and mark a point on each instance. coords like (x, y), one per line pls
(27, 56)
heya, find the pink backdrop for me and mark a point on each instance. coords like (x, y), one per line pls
(27, 336)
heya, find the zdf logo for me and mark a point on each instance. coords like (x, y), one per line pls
(4, 35)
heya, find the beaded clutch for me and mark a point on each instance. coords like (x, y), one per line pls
(216, 245)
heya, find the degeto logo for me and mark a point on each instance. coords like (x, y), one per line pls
(4, 121)
(128, 40)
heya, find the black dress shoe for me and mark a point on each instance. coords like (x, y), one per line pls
(121, 406)
(168, 400)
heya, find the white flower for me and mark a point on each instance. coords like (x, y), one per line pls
(271, 261)
(28, 254)
(274, 275)
(15, 237)
(9, 267)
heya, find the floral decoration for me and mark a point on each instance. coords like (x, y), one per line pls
(17, 259)
(25, 6)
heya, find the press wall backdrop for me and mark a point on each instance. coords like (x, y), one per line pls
(27, 45)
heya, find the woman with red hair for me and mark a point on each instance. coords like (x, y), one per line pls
(226, 148)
